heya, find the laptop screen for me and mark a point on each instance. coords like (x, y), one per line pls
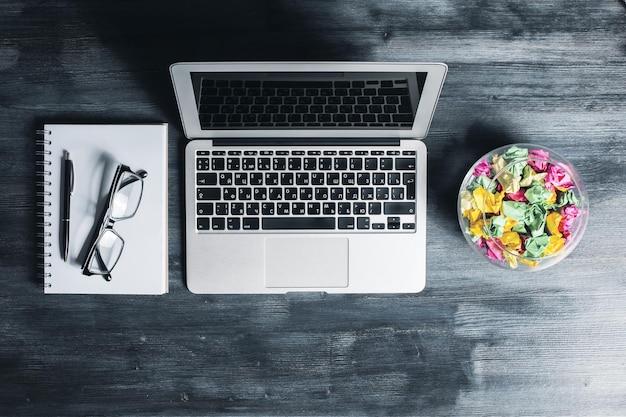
(310, 100)
(307, 99)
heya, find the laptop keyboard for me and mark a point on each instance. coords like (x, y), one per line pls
(331, 190)
(225, 104)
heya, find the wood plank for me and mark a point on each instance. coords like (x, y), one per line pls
(479, 340)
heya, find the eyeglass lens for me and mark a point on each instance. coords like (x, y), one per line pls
(124, 204)
(107, 253)
(127, 196)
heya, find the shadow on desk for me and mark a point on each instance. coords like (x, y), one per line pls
(150, 36)
(447, 169)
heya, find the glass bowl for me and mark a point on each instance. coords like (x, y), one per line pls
(523, 207)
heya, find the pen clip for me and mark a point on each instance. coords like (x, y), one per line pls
(69, 173)
(71, 176)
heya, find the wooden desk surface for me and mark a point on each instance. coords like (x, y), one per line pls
(477, 341)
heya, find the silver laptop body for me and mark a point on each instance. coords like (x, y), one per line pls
(282, 198)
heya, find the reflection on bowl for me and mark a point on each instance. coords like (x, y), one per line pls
(523, 207)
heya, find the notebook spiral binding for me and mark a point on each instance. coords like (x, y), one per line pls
(43, 184)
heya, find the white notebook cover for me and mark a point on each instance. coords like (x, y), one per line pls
(95, 151)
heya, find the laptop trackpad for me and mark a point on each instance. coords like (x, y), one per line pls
(306, 262)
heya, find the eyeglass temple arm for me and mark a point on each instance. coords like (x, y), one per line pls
(141, 174)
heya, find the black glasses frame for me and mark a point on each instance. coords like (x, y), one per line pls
(107, 221)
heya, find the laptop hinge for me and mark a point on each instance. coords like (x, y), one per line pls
(307, 142)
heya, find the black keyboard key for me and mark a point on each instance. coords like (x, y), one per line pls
(367, 193)
(298, 223)
(363, 178)
(403, 118)
(298, 208)
(332, 178)
(306, 193)
(264, 164)
(325, 164)
(206, 178)
(378, 178)
(250, 223)
(294, 164)
(252, 209)
(226, 178)
(346, 223)
(275, 193)
(339, 118)
(271, 178)
(344, 208)
(329, 208)
(236, 209)
(256, 178)
(352, 193)
(356, 164)
(382, 193)
(268, 209)
(359, 208)
(393, 91)
(286, 178)
(204, 209)
(282, 209)
(371, 163)
(383, 118)
(396, 207)
(203, 223)
(248, 164)
(393, 223)
(313, 209)
(207, 109)
(212, 100)
(302, 178)
(217, 164)
(298, 84)
(336, 193)
(393, 178)
(397, 193)
(218, 223)
(221, 209)
(202, 164)
(310, 164)
(260, 193)
(291, 193)
(409, 181)
(321, 193)
(230, 193)
(405, 164)
(374, 208)
(233, 223)
(386, 163)
(294, 118)
(205, 193)
(348, 178)
(279, 164)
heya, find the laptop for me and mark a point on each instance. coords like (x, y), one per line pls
(306, 176)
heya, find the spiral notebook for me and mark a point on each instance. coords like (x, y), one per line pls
(86, 173)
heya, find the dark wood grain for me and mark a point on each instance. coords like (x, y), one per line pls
(477, 341)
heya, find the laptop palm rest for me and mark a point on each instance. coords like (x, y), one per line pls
(301, 262)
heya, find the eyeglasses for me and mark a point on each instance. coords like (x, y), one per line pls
(123, 202)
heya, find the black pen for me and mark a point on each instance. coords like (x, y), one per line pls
(68, 189)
